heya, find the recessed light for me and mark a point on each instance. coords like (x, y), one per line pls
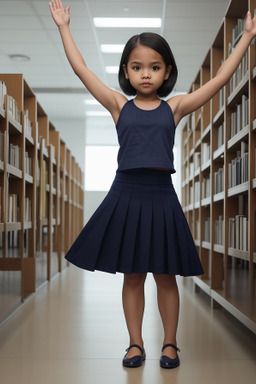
(111, 69)
(112, 48)
(18, 57)
(127, 22)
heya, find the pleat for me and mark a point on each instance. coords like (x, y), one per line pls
(173, 253)
(84, 252)
(145, 231)
(112, 235)
(128, 260)
(158, 239)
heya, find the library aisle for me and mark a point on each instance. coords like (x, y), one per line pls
(72, 330)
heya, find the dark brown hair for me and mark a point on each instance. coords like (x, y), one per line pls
(158, 44)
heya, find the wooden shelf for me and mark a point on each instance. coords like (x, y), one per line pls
(238, 189)
(240, 89)
(219, 152)
(219, 248)
(219, 196)
(238, 137)
(206, 201)
(34, 224)
(228, 217)
(14, 171)
(243, 255)
(206, 165)
(206, 245)
(219, 117)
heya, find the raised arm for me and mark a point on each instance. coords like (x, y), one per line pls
(109, 98)
(185, 104)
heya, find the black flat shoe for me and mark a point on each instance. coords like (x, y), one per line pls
(135, 361)
(167, 362)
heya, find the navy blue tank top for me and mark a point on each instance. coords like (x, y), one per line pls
(146, 137)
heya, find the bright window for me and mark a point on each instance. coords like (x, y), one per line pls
(100, 167)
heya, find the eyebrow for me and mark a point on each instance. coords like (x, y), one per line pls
(152, 63)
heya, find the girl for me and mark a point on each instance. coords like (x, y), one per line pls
(140, 226)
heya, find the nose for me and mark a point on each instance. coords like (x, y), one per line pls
(145, 75)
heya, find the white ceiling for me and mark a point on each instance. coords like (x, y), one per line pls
(26, 27)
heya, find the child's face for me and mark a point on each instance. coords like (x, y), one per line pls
(146, 70)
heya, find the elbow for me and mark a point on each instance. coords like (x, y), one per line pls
(79, 69)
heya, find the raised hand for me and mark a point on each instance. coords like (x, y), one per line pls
(250, 24)
(59, 15)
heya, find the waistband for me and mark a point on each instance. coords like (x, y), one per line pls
(144, 176)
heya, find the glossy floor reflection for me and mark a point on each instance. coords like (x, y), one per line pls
(73, 331)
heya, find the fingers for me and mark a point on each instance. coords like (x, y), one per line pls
(55, 4)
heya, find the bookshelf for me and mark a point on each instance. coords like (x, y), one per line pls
(34, 202)
(219, 175)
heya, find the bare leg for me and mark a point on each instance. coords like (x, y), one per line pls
(133, 304)
(168, 304)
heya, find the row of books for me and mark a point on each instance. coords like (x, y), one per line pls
(27, 123)
(220, 135)
(197, 160)
(207, 229)
(219, 181)
(28, 209)
(191, 195)
(219, 231)
(237, 32)
(206, 188)
(42, 185)
(15, 156)
(240, 118)
(197, 191)
(13, 208)
(206, 152)
(239, 73)
(1, 146)
(238, 169)
(28, 164)
(221, 94)
(3, 92)
(238, 233)
(13, 110)
(13, 239)
(197, 235)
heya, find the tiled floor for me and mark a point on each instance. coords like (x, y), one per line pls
(72, 331)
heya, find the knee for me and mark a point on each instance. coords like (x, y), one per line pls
(134, 280)
(165, 281)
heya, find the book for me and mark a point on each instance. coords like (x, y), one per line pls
(3, 92)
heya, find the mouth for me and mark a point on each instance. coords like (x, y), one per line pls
(145, 84)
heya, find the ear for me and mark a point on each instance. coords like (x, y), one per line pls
(167, 72)
(125, 72)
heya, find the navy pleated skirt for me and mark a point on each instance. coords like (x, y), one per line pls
(139, 227)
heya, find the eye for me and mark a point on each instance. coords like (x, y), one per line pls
(136, 67)
(155, 68)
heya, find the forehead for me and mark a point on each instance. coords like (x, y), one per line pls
(142, 53)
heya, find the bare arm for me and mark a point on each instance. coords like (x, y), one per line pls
(185, 104)
(110, 99)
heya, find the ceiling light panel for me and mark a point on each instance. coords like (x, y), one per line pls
(127, 22)
(112, 48)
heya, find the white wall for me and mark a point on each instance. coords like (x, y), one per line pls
(72, 132)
